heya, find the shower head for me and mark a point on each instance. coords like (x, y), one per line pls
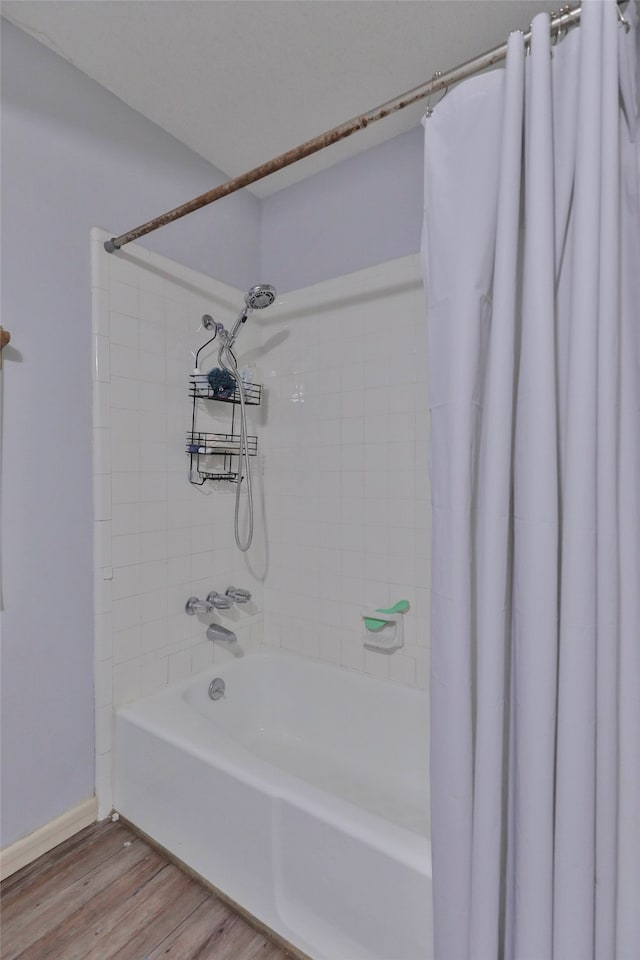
(257, 298)
(260, 296)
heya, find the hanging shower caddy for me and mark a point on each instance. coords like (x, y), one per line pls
(214, 456)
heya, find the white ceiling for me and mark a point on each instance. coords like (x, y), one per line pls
(240, 81)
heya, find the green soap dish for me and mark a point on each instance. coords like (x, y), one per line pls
(372, 623)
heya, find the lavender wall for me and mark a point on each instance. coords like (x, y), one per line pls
(363, 211)
(73, 157)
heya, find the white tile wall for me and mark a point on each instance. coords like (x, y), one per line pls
(157, 539)
(340, 486)
(346, 479)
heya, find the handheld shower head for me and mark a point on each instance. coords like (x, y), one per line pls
(257, 298)
(260, 296)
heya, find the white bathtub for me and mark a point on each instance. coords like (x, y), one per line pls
(302, 795)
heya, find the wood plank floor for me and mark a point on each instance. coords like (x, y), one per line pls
(106, 894)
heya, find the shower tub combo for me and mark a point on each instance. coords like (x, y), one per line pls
(301, 795)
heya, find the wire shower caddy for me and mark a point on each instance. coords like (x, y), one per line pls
(218, 450)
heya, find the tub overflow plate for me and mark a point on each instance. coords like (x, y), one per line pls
(216, 688)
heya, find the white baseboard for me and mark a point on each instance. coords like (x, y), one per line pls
(45, 838)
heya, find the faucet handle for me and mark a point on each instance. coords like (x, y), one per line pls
(219, 601)
(193, 606)
(238, 595)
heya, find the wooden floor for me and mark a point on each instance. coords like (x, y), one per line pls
(106, 893)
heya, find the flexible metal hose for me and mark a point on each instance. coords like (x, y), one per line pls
(228, 363)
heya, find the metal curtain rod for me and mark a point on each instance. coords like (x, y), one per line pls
(567, 17)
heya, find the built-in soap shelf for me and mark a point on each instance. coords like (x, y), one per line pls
(387, 638)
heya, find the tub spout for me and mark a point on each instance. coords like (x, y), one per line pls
(220, 634)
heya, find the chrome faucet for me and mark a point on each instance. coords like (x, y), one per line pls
(238, 595)
(215, 601)
(220, 634)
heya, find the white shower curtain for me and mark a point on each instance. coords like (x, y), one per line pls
(531, 250)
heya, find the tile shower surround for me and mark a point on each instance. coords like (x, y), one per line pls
(342, 436)
(346, 479)
(157, 538)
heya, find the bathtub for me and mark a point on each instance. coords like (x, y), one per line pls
(301, 795)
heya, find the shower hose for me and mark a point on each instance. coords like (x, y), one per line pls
(227, 361)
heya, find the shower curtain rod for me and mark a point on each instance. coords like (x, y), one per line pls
(567, 17)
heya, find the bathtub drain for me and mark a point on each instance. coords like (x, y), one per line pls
(216, 688)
